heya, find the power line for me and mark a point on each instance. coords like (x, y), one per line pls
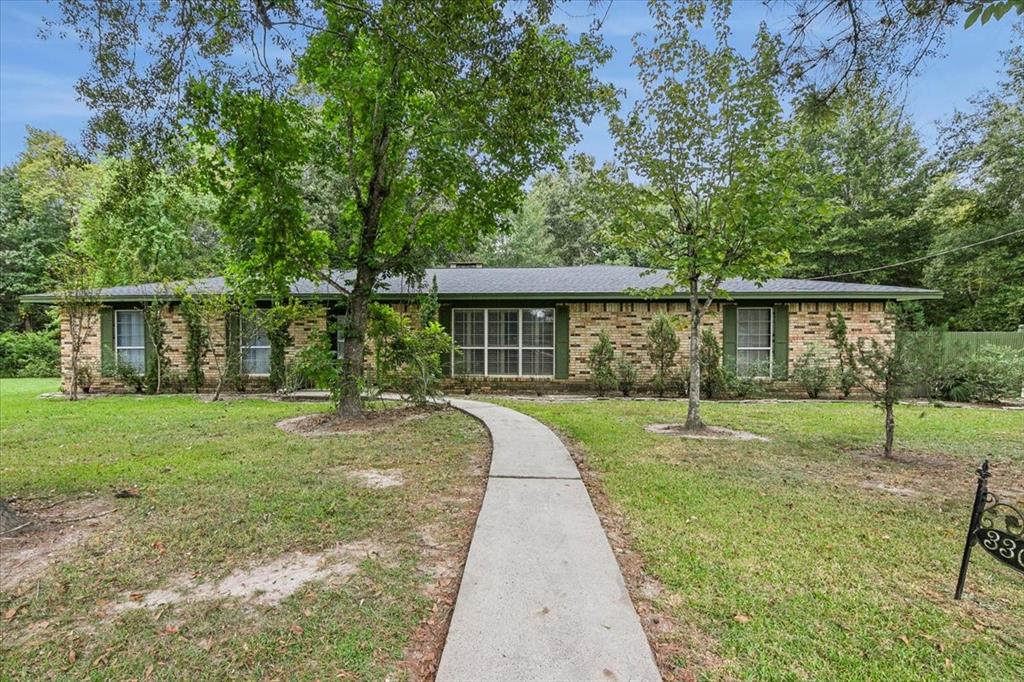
(925, 257)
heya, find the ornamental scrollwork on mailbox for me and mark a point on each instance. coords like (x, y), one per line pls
(997, 526)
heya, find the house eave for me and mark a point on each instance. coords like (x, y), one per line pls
(924, 294)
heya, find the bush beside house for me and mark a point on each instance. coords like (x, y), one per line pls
(29, 354)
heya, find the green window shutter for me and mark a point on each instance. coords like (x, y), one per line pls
(106, 342)
(729, 337)
(231, 351)
(780, 343)
(562, 342)
(444, 316)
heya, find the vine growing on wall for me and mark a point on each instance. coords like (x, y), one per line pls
(197, 342)
(156, 361)
(280, 338)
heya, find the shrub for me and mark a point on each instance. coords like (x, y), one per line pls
(127, 375)
(740, 386)
(601, 361)
(408, 359)
(992, 373)
(317, 364)
(662, 346)
(811, 371)
(29, 354)
(681, 382)
(627, 375)
(86, 376)
(713, 378)
(176, 381)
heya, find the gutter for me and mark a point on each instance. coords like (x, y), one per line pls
(782, 296)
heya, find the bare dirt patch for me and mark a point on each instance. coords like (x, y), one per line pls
(55, 529)
(671, 641)
(265, 584)
(707, 433)
(329, 424)
(377, 478)
(881, 486)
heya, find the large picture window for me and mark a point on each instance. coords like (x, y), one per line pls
(754, 342)
(130, 339)
(254, 346)
(504, 341)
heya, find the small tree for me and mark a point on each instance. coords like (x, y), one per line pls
(157, 360)
(602, 364)
(880, 368)
(627, 375)
(73, 274)
(662, 346)
(721, 183)
(812, 373)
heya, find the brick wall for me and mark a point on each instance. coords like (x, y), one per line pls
(808, 326)
(627, 324)
(177, 337)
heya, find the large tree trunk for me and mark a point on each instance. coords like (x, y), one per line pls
(350, 403)
(890, 427)
(693, 420)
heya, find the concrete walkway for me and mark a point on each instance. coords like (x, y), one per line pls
(542, 597)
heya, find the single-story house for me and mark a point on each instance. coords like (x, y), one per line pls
(518, 327)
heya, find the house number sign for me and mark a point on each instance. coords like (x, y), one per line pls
(998, 527)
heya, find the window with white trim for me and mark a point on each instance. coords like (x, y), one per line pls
(504, 341)
(754, 342)
(130, 339)
(254, 346)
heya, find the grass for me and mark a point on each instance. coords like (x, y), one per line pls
(789, 559)
(222, 487)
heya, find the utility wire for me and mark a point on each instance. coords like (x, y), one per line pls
(925, 257)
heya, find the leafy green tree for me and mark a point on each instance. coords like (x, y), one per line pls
(523, 238)
(562, 221)
(434, 117)
(882, 368)
(870, 163)
(39, 197)
(601, 361)
(979, 200)
(146, 224)
(720, 195)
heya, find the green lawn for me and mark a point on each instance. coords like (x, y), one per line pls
(221, 488)
(839, 580)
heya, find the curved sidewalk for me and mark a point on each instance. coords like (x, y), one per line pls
(542, 597)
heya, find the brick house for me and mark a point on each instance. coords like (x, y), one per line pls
(515, 327)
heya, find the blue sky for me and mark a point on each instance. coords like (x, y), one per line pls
(37, 76)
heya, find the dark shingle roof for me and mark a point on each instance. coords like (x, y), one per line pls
(575, 282)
